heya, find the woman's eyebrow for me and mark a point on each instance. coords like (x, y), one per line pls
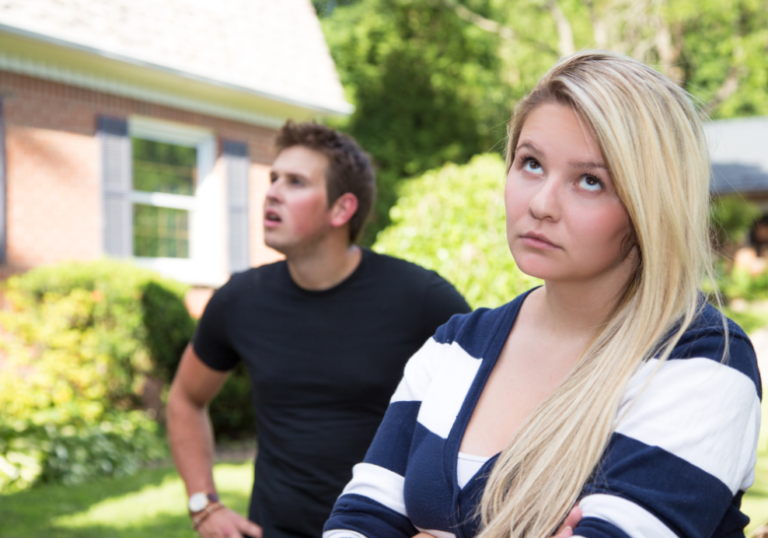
(573, 164)
(587, 164)
(527, 145)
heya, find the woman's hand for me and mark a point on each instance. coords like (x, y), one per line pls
(565, 530)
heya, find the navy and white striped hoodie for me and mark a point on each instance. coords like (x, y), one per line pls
(676, 466)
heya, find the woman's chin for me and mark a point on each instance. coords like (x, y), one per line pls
(538, 268)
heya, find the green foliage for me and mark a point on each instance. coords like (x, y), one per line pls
(750, 319)
(231, 412)
(731, 218)
(78, 451)
(133, 315)
(723, 51)
(741, 283)
(426, 87)
(452, 220)
(79, 342)
(435, 80)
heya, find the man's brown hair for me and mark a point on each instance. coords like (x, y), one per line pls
(349, 167)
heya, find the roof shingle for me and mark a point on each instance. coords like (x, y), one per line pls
(275, 47)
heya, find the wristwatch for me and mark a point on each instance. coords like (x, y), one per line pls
(199, 501)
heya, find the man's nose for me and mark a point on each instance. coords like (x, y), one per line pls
(545, 203)
(273, 192)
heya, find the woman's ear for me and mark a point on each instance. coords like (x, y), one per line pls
(343, 209)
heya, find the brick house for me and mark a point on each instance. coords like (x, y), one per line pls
(142, 130)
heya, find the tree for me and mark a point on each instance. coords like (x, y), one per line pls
(426, 86)
(435, 80)
(713, 48)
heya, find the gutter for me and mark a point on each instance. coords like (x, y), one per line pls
(336, 111)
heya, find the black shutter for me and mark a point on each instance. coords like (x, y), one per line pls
(3, 191)
(237, 165)
(116, 184)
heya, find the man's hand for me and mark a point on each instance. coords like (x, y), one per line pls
(225, 523)
(565, 530)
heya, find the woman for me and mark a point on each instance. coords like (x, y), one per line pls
(614, 385)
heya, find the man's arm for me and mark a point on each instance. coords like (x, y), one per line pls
(191, 439)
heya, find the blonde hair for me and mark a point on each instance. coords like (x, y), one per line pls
(656, 153)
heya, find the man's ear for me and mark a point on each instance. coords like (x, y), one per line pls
(343, 209)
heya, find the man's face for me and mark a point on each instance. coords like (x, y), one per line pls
(296, 212)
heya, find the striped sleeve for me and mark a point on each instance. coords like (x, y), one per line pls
(684, 449)
(373, 504)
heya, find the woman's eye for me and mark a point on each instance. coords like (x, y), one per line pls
(590, 183)
(532, 166)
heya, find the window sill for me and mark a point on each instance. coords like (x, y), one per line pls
(184, 270)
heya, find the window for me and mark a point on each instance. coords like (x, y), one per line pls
(178, 213)
(160, 225)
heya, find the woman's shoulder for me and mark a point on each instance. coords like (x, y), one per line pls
(709, 338)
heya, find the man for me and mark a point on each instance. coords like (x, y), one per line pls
(324, 335)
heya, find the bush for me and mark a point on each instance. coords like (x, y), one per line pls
(140, 317)
(731, 217)
(232, 414)
(452, 220)
(79, 342)
(76, 451)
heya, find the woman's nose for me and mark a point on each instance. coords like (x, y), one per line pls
(545, 203)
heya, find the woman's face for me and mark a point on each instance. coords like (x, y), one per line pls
(565, 221)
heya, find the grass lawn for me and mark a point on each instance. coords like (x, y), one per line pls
(151, 503)
(755, 502)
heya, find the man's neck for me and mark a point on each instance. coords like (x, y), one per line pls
(325, 266)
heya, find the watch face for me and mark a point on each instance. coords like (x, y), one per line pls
(197, 502)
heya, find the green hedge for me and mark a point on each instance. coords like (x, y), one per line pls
(731, 217)
(79, 342)
(452, 220)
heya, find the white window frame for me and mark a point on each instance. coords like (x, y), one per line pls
(206, 264)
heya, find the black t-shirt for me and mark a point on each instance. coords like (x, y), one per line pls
(323, 366)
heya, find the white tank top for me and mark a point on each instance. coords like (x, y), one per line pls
(467, 467)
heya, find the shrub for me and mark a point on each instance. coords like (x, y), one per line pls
(140, 317)
(731, 217)
(76, 451)
(452, 220)
(79, 342)
(232, 414)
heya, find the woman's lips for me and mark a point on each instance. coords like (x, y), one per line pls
(538, 241)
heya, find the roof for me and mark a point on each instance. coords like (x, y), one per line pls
(275, 49)
(739, 152)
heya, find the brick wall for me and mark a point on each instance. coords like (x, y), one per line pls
(54, 194)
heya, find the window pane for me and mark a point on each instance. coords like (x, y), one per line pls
(161, 167)
(160, 232)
